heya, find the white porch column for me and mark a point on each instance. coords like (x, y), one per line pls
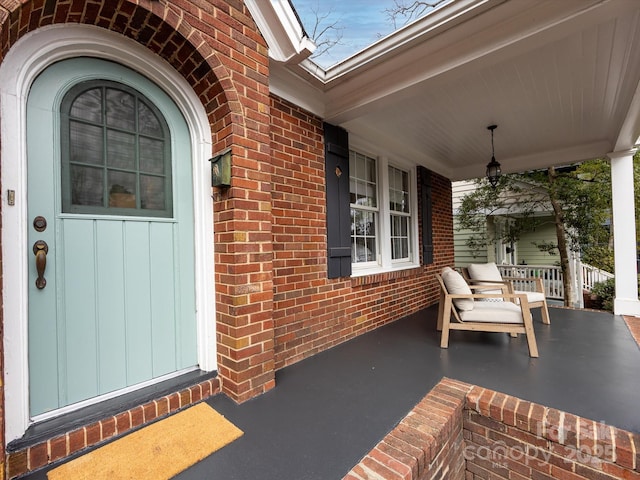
(624, 233)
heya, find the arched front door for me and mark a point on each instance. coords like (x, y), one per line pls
(111, 243)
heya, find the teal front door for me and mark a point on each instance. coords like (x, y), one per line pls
(111, 243)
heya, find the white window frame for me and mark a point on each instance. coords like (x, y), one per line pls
(368, 209)
(384, 261)
(394, 213)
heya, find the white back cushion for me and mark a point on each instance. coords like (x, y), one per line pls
(456, 285)
(484, 271)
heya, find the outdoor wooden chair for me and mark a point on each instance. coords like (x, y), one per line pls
(488, 273)
(460, 309)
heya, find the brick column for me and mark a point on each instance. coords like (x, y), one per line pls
(244, 284)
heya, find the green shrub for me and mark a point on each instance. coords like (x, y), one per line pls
(605, 291)
(599, 257)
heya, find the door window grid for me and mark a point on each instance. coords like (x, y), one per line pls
(115, 152)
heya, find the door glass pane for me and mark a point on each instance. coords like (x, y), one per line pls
(86, 185)
(120, 109)
(152, 192)
(88, 106)
(121, 149)
(86, 143)
(122, 189)
(115, 129)
(151, 155)
(149, 123)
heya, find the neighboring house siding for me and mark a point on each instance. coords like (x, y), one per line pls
(532, 255)
(463, 254)
(525, 249)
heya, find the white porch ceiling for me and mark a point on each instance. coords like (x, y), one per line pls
(560, 78)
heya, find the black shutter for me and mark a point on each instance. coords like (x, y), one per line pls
(426, 212)
(336, 154)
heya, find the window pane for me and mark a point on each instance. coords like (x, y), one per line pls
(87, 186)
(398, 190)
(122, 190)
(86, 143)
(151, 155)
(121, 109)
(362, 182)
(121, 150)
(152, 192)
(363, 236)
(148, 122)
(88, 106)
(399, 237)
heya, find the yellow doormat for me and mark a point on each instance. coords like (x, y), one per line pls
(156, 452)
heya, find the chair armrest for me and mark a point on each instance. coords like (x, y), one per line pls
(506, 287)
(474, 281)
(522, 297)
(536, 280)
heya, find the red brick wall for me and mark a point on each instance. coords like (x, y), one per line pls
(462, 431)
(312, 313)
(509, 438)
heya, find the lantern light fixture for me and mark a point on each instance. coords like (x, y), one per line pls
(493, 167)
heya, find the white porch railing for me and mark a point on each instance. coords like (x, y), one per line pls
(552, 277)
(592, 275)
(550, 274)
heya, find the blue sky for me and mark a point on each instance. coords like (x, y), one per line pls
(362, 23)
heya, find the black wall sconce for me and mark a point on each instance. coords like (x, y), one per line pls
(221, 169)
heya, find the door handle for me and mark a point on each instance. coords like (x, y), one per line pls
(40, 250)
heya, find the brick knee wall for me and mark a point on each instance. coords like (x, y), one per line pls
(462, 431)
(426, 444)
(509, 438)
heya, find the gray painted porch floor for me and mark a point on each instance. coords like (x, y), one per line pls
(329, 410)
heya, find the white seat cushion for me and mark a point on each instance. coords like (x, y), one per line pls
(456, 285)
(490, 312)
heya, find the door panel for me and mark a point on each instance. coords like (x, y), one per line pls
(119, 305)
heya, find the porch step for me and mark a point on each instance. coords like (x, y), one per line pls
(53, 440)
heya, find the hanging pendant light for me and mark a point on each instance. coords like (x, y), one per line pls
(493, 167)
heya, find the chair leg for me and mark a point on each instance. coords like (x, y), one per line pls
(545, 314)
(531, 336)
(446, 320)
(440, 312)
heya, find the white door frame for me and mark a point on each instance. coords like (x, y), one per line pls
(25, 60)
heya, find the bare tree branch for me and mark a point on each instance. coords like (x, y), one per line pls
(405, 11)
(325, 34)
